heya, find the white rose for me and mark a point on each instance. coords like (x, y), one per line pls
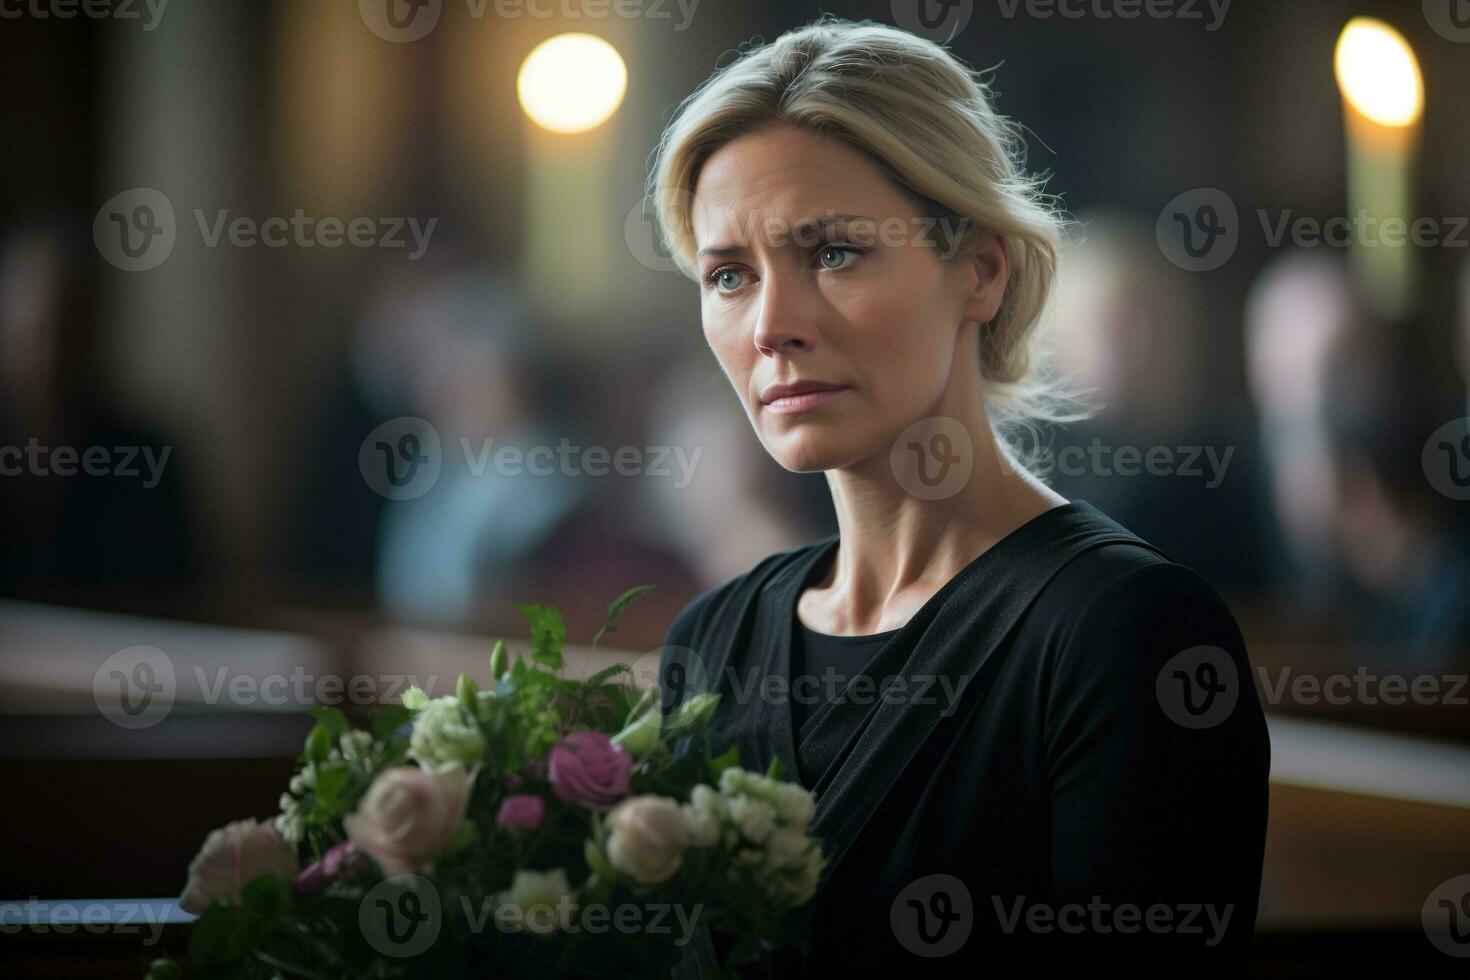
(537, 895)
(647, 837)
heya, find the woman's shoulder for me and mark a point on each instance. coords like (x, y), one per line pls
(698, 610)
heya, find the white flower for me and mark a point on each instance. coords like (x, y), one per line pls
(297, 784)
(732, 780)
(647, 837)
(786, 848)
(356, 745)
(537, 894)
(802, 885)
(704, 799)
(289, 823)
(794, 805)
(442, 735)
(704, 827)
(754, 817)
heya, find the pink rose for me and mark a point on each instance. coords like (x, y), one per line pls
(231, 858)
(521, 812)
(409, 816)
(338, 860)
(587, 769)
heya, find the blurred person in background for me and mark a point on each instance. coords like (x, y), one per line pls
(92, 502)
(1296, 311)
(1395, 533)
(741, 505)
(1129, 329)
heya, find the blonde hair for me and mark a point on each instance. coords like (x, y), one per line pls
(927, 121)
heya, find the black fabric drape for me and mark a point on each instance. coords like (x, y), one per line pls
(1037, 776)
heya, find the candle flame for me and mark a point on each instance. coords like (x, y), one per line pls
(1378, 73)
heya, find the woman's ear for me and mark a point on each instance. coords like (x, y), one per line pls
(987, 269)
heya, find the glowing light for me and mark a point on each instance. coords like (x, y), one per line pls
(572, 83)
(1378, 73)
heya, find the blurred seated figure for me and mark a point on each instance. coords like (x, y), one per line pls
(1297, 309)
(92, 502)
(1169, 454)
(740, 505)
(1396, 533)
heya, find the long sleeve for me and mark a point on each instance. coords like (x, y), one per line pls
(1158, 761)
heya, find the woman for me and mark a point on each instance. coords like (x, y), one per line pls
(1044, 743)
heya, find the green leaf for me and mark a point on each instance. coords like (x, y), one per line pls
(718, 764)
(330, 782)
(267, 893)
(606, 672)
(319, 742)
(616, 607)
(775, 770)
(466, 691)
(165, 970)
(387, 719)
(548, 634)
(333, 718)
(414, 699)
(596, 860)
(497, 660)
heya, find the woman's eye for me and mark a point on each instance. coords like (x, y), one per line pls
(720, 279)
(840, 251)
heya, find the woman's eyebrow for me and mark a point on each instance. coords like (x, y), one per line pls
(800, 231)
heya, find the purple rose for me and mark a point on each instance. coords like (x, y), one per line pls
(586, 768)
(521, 812)
(338, 860)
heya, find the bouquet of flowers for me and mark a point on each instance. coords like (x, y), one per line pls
(541, 827)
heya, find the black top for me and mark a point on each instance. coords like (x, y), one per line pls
(1082, 746)
(822, 666)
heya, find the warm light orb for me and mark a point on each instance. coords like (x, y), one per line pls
(1378, 73)
(572, 83)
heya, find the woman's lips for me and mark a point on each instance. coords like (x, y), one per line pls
(792, 404)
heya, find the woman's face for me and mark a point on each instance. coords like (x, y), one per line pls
(813, 267)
